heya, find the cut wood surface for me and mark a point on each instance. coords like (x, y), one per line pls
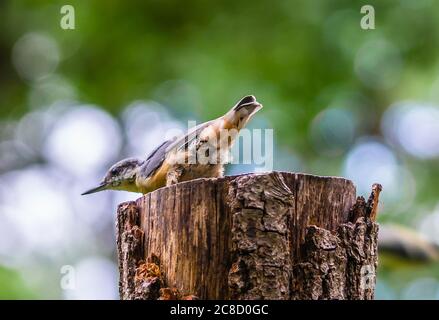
(256, 236)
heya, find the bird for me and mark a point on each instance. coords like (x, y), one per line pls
(200, 153)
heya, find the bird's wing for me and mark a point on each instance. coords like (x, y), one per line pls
(185, 140)
(155, 159)
(158, 155)
(160, 147)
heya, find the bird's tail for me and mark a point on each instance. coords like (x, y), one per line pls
(242, 111)
(248, 102)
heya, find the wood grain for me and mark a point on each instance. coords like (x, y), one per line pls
(256, 236)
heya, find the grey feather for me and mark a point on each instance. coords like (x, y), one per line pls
(158, 155)
(185, 140)
(155, 159)
(247, 100)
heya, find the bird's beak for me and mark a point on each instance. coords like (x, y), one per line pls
(101, 187)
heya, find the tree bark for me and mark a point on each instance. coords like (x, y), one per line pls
(255, 236)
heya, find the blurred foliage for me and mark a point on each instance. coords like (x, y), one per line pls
(197, 58)
(13, 287)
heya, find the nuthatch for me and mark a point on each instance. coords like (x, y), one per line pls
(201, 153)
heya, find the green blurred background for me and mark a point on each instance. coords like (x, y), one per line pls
(342, 101)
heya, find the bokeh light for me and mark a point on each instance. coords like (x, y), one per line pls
(429, 225)
(147, 125)
(423, 288)
(95, 278)
(37, 209)
(413, 126)
(341, 100)
(35, 55)
(378, 64)
(371, 161)
(83, 140)
(333, 131)
(50, 89)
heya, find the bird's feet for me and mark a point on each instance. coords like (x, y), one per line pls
(173, 176)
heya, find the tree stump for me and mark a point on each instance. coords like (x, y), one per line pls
(256, 236)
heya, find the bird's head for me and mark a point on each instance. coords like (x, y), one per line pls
(121, 176)
(241, 113)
